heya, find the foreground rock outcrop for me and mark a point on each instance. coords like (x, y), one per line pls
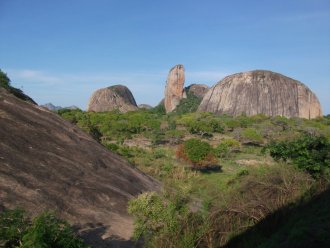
(117, 97)
(174, 91)
(261, 92)
(48, 163)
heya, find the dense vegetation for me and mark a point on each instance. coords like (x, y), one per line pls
(45, 230)
(268, 166)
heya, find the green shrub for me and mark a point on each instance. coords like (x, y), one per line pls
(196, 150)
(159, 109)
(113, 147)
(251, 136)
(217, 126)
(244, 121)
(281, 122)
(13, 226)
(48, 231)
(16, 230)
(200, 127)
(226, 147)
(4, 80)
(198, 153)
(165, 221)
(310, 153)
(231, 123)
(188, 105)
(159, 153)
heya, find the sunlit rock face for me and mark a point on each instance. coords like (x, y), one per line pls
(174, 91)
(261, 92)
(117, 97)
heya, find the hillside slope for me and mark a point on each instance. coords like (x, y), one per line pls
(48, 163)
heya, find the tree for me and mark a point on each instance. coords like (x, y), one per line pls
(5, 83)
(308, 152)
(4, 80)
(198, 153)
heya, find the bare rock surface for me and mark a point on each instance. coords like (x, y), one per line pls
(144, 106)
(198, 90)
(174, 91)
(48, 163)
(260, 91)
(111, 98)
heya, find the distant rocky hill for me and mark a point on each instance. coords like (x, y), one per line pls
(144, 106)
(261, 92)
(117, 97)
(52, 107)
(48, 163)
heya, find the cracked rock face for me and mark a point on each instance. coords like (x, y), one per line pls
(261, 92)
(174, 91)
(112, 98)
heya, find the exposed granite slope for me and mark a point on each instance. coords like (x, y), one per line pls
(260, 91)
(48, 163)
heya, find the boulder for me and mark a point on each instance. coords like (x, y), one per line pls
(261, 92)
(174, 91)
(117, 97)
(198, 90)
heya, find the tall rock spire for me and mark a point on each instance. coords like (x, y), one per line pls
(174, 88)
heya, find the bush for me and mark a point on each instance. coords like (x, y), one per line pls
(5, 83)
(310, 153)
(198, 153)
(165, 221)
(16, 230)
(188, 105)
(13, 226)
(251, 136)
(4, 80)
(226, 147)
(159, 109)
(281, 122)
(200, 127)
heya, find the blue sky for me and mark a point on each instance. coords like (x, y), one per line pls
(61, 51)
